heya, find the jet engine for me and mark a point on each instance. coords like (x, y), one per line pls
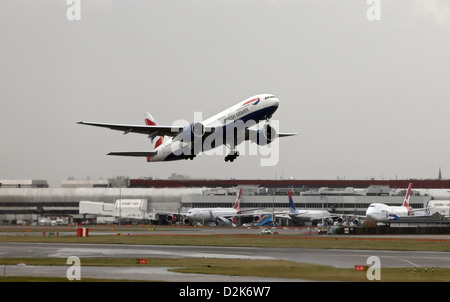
(193, 131)
(257, 217)
(266, 135)
(356, 221)
(170, 218)
(192, 135)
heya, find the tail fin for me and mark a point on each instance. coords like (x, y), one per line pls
(291, 203)
(150, 121)
(407, 196)
(237, 204)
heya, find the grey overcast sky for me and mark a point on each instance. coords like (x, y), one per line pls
(368, 98)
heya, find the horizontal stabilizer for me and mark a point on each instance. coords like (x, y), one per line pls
(135, 154)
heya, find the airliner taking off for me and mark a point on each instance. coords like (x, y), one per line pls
(381, 212)
(229, 127)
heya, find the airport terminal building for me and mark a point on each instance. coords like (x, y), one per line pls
(27, 201)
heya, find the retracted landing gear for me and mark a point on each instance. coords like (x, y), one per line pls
(232, 156)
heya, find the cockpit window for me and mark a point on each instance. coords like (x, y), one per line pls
(270, 97)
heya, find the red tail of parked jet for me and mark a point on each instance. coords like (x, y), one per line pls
(237, 204)
(407, 197)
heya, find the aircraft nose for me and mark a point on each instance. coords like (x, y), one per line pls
(272, 106)
(371, 213)
(275, 102)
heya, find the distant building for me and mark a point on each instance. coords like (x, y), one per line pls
(23, 183)
(118, 182)
(27, 200)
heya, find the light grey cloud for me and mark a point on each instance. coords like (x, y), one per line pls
(437, 10)
(369, 98)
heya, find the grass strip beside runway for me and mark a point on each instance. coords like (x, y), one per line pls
(265, 241)
(241, 267)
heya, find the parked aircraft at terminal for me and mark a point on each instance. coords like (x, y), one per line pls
(229, 127)
(219, 216)
(308, 215)
(216, 215)
(381, 212)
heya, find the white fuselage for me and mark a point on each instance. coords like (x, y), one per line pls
(439, 206)
(209, 214)
(381, 212)
(309, 215)
(257, 108)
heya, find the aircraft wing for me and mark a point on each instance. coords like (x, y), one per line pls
(169, 212)
(419, 209)
(421, 212)
(142, 129)
(286, 134)
(136, 154)
(223, 219)
(252, 133)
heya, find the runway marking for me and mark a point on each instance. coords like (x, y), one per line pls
(412, 263)
(98, 252)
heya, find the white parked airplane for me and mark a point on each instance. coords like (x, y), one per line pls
(217, 215)
(229, 127)
(307, 215)
(381, 212)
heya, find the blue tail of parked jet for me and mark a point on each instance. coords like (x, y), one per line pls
(291, 203)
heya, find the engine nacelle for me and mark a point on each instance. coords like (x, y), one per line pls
(170, 218)
(187, 221)
(257, 217)
(193, 131)
(266, 135)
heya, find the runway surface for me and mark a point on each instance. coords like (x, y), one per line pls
(333, 257)
(131, 273)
